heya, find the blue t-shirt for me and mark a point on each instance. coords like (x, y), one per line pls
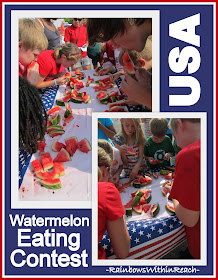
(106, 122)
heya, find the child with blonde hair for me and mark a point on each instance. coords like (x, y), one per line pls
(111, 215)
(158, 148)
(52, 64)
(32, 41)
(130, 142)
(117, 164)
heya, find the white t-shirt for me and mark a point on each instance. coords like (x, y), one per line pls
(116, 162)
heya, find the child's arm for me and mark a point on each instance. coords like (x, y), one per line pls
(139, 89)
(122, 149)
(119, 237)
(108, 131)
(116, 176)
(115, 76)
(33, 74)
(136, 168)
(108, 68)
(42, 83)
(188, 217)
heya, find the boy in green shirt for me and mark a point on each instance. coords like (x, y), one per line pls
(158, 148)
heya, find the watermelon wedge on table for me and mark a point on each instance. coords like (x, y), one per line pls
(47, 175)
(52, 184)
(145, 180)
(59, 168)
(84, 146)
(37, 165)
(68, 119)
(62, 156)
(53, 127)
(54, 133)
(146, 207)
(71, 145)
(170, 208)
(47, 161)
(54, 109)
(130, 67)
(57, 146)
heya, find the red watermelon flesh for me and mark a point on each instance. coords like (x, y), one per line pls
(138, 209)
(54, 109)
(53, 127)
(37, 165)
(54, 133)
(59, 168)
(118, 109)
(71, 145)
(66, 98)
(31, 65)
(153, 161)
(47, 161)
(145, 180)
(146, 207)
(84, 146)
(57, 146)
(86, 98)
(113, 93)
(169, 176)
(41, 146)
(144, 191)
(43, 175)
(69, 118)
(131, 151)
(130, 67)
(62, 156)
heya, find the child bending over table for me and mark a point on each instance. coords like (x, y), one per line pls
(32, 41)
(117, 164)
(52, 64)
(186, 186)
(158, 148)
(130, 142)
(32, 117)
(110, 211)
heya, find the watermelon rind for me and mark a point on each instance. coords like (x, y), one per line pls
(164, 191)
(54, 133)
(164, 172)
(51, 184)
(128, 211)
(76, 99)
(59, 168)
(64, 155)
(136, 184)
(60, 102)
(139, 193)
(55, 120)
(170, 208)
(53, 127)
(148, 198)
(57, 146)
(155, 175)
(155, 210)
(135, 200)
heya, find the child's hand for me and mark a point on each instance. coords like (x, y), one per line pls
(123, 149)
(134, 173)
(115, 178)
(33, 73)
(168, 187)
(115, 76)
(62, 80)
(167, 156)
(105, 70)
(150, 160)
(138, 88)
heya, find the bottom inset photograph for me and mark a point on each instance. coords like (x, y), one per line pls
(148, 193)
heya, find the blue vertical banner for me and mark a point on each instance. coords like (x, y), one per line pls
(58, 242)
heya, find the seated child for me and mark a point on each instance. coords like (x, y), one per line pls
(117, 164)
(52, 64)
(111, 215)
(130, 142)
(158, 148)
(32, 41)
(186, 187)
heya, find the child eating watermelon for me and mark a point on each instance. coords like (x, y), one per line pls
(110, 211)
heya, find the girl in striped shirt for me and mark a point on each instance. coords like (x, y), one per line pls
(130, 142)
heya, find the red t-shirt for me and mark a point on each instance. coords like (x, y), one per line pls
(109, 208)
(110, 54)
(47, 64)
(76, 35)
(186, 189)
(22, 70)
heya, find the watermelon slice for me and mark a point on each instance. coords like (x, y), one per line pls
(62, 156)
(76, 99)
(86, 99)
(84, 146)
(57, 146)
(155, 175)
(155, 210)
(136, 183)
(138, 209)
(60, 102)
(54, 133)
(71, 145)
(130, 67)
(37, 165)
(68, 119)
(170, 208)
(59, 168)
(41, 146)
(164, 172)
(53, 127)
(67, 98)
(131, 151)
(169, 176)
(47, 161)
(146, 207)
(43, 175)
(52, 184)
(102, 96)
(54, 109)
(145, 180)
(68, 111)
(55, 119)
(118, 103)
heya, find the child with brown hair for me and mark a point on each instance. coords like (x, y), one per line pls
(130, 142)
(32, 41)
(52, 64)
(158, 148)
(111, 215)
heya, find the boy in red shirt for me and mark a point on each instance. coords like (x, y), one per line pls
(77, 34)
(32, 41)
(186, 187)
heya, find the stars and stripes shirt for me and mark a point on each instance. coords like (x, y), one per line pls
(48, 98)
(150, 238)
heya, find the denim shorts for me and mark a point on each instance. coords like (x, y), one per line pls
(83, 62)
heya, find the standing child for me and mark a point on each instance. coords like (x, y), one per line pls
(117, 164)
(32, 41)
(158, 148)
(111, 215)
(106, 129)
(186, 186)
(130, 142)
(52, 64)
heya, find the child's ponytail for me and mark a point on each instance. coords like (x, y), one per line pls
(71, 51)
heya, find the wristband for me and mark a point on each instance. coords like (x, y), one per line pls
(55, 82)
(140, 159)
(119, 169)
